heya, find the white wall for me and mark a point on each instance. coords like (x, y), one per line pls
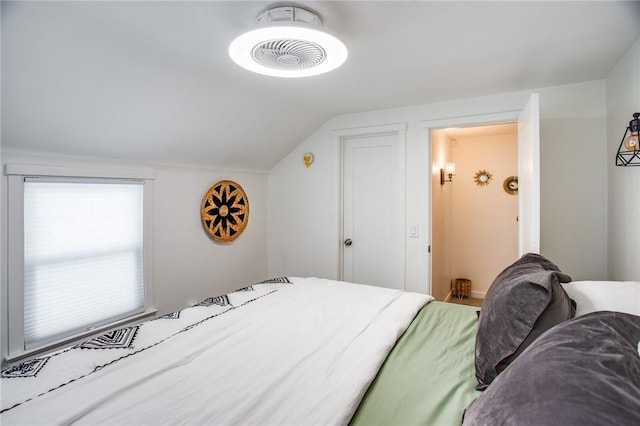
(574, 180)
(304, 208)
(623, 99)
(485, 230)
(188, 266)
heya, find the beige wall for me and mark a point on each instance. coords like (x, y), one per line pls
(441, 199)
(485, 230)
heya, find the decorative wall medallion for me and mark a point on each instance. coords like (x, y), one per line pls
(510, 185)
(482, 177)
(225, 211)
(308, 159)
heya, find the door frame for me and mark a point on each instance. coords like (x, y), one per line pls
(339, 136)
(478, 120)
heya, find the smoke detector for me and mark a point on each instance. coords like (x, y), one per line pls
(288, 42)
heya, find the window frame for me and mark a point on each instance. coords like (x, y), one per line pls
(13, 303)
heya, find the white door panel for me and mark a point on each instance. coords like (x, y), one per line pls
(373, 209)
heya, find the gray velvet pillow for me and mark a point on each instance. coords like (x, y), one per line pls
(525, 300)
(585, 371)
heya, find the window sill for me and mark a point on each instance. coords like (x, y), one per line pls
(78, 337)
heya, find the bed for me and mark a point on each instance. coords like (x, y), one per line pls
(284, 351)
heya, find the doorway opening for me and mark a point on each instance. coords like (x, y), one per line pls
(474, 213)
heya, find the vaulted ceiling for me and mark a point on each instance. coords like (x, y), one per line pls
(152, 81)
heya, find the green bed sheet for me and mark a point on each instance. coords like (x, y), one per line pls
(429, 376)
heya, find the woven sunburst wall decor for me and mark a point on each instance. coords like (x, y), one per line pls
(482, 177)
(225, 211)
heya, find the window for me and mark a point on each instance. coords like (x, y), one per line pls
(77, 253)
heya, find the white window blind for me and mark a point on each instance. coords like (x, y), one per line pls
(83, 255)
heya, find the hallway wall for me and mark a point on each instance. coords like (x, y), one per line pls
(485, 229)
(441, 230)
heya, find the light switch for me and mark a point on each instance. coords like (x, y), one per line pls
(413, 230)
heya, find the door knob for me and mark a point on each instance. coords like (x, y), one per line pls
(348, 242)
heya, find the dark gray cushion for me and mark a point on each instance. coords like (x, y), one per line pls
(585, 371)
(525, 300)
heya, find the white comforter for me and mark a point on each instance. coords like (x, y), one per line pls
(287, 354)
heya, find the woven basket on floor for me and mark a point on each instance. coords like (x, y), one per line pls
(462, 288)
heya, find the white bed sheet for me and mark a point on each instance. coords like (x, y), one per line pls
(298, 354)
(618, 296)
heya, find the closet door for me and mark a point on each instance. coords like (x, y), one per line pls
(373, 209)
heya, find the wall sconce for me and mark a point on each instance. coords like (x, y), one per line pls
(629, 149)
(450, 170)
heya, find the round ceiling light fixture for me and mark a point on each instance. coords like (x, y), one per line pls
(288, 42)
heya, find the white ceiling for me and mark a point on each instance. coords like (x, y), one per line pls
(152, 81)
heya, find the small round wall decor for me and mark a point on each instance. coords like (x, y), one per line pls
(510, 185)
(482, 177)
(308, 159)
(225, 211)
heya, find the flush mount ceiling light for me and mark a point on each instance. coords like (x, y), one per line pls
(288, 42)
